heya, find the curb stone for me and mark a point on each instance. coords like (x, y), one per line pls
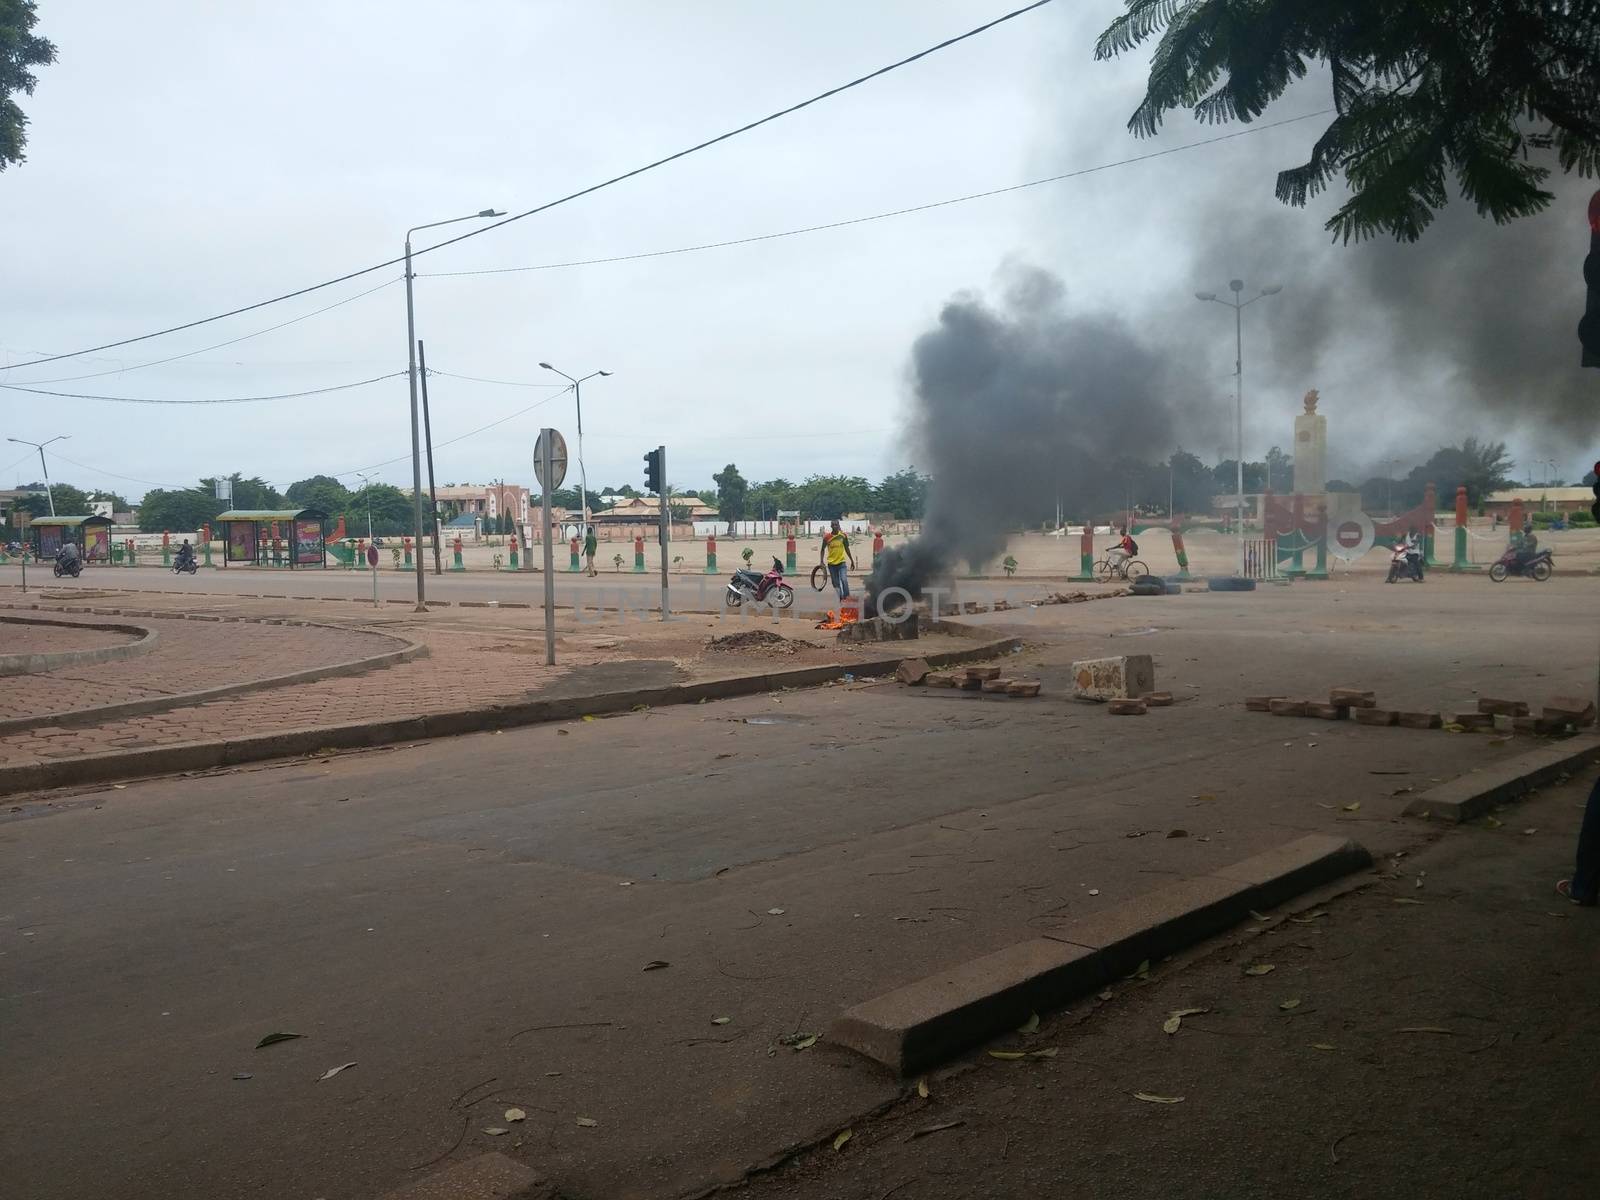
(1476, 793)
(197, 756)
(924, 1023)
(143, 642)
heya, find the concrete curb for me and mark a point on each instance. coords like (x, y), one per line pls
(1475, 794)
(922, 1024)
(199, 756)
(37, 664)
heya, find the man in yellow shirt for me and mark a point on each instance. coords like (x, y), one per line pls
(834, 554)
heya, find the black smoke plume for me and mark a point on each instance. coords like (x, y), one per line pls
(1016, 404)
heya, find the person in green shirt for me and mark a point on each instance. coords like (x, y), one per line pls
(590, 545)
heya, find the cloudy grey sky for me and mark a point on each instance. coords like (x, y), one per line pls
(187, 157)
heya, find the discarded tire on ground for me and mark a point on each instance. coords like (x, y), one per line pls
(1148, 585)
(1230, 583)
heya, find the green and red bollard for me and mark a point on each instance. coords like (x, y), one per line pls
(711, 554)
(515, 561)
(788, 553)
(455, 556)
(1085, 555)
(1177, 548)
(572, 547)
(406, 542)
(638, 553)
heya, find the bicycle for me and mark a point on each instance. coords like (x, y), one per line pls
(1128, 568)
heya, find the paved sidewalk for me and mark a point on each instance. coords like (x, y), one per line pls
(189, 656)
(478, 658)
(1434, 1034)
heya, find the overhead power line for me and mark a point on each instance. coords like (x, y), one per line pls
(502, 382)
(882, 216)
(590, 190)
(317, 312)
(322, 391)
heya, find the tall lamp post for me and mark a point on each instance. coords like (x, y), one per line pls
(1236, 286)
(43, 466)
(577, 395)
(411, 377)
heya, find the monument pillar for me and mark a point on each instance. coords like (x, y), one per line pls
(1311, 449)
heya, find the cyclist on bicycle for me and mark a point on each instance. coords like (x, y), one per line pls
(1124, 550)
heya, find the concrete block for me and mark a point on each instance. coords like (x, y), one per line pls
(1352, 698)
(1023, 687)
(1284, 872)
(1260, 703)
(1287, 708)
(1374, 716)
(982, 673)
(486, 1177)
(970, 683)
(1418, 720)
(1127, 708)
(1120, 677)
(1508, 708)
(997, 685)
(1522, 724)
(1160, 922)
(1326, 712)
(941, 679)
(1573, 709)
(1472, 721)
(1505, 723)
(1158, 700)
(912, 672)
(923, 1023)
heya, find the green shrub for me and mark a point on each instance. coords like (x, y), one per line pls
(1582, 518)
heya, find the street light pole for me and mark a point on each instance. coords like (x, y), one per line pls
(577, 396)
(43, 466)
(1236, 286)
(411, 378)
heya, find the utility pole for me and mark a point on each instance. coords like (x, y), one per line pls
(433, 499)
(547, 439)
(666, 519)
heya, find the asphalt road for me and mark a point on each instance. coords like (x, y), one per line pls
(610, 591)
(472, 922)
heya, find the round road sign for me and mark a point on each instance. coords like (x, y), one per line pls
(372, 556)
(1350, 537)
(558, 460)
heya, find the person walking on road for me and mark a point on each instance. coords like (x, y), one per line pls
(1584, 886)
(835, 552)
(590, 545)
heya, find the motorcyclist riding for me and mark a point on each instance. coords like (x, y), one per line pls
(1528, 546)
(68, 553)
(185, 553)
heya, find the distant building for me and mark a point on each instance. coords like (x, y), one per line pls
(484, 500)
(1539, 499)
(645, 509)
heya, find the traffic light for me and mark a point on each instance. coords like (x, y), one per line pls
(652, 471)
(1589, 327)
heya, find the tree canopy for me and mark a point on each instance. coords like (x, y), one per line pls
(731, 493)
(20, 50)
(1481, 92)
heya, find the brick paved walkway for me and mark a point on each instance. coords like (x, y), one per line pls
(189, 656)
(53, 639)
(477, 657)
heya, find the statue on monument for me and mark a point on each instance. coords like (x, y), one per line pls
(1311, 449)
(1311, 402)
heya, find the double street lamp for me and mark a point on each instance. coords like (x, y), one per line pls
(43, 466)
(1236, 286)
(411, 376)
(577, 395)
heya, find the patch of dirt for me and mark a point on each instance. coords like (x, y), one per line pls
(761, 640)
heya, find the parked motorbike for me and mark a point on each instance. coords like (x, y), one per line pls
(1404, 563)
(1538, 568)
(752, 587)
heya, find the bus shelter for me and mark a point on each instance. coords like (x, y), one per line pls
(90, 533)
(289, 537)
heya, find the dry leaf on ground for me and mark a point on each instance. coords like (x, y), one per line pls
(843, 1136)
(1261, 969)
(1289, 1005)
(1031, 1025)
(588, 1122)
(332, 1071)
(1149, 1099)
(922, 1088)
(515, 1114)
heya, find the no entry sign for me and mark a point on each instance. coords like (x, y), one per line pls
(1350, 537)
